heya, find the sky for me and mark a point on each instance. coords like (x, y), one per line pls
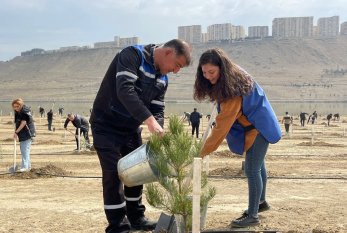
(51, 24)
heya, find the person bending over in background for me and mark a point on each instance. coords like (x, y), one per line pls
(81, 123)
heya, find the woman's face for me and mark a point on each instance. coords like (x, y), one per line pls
(211, 72)
(16, 107)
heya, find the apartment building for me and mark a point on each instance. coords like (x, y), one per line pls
(258, 31)
(328, 26)
(292, 27)
(217, 32)
(123, 42)
(343, 30)
(118, 42)
(226, 31)
(204, 37)
(191, 34)
(237, 32)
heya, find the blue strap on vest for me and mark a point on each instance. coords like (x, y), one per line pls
(257, 109)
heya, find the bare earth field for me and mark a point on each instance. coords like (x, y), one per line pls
(307, 186)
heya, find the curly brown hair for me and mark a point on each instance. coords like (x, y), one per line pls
(233, 80)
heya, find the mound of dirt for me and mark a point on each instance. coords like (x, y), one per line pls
(50, 170)
(8, 140)
(47, 171)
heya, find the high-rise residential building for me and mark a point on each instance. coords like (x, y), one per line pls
(123, 42)
(116, 39)
(328, 26)
(191, 34)
(237, 32)
(292, 27)
(315, 31)
(204, 37)
(118, 42)
(217, 32)
(343, 30)
(258, 31)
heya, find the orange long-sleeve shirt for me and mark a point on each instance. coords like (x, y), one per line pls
(230, 111)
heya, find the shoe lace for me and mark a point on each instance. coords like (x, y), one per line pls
(243, 217)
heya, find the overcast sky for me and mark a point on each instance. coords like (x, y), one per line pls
(51, 24)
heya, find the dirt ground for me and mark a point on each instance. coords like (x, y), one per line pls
(307, 186)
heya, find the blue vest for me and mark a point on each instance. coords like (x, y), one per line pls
(257, 109)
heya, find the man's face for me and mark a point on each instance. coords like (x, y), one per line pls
(171, 62)
(71, 118)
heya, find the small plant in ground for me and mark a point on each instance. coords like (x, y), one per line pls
(173, 157)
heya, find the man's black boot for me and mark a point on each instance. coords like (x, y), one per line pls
(143, 223)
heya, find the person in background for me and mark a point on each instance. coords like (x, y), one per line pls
(245, 118)
(24, 131)
(50, 119)
(41, 111)
(287, 120)
(195, 121)
(81, 123)
(187, 117)
(329, 118)
(303, 118)
(313, 117)
(131, 93)
(61, 110)
(336, 116)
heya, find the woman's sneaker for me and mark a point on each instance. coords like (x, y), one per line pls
(245, 221)
(263, 207)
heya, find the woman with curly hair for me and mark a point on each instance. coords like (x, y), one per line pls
(245, 118)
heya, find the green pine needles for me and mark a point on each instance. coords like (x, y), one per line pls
(173, 157)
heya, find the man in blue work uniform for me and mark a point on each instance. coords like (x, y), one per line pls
(131, 93)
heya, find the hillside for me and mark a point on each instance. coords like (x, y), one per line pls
(287, 69)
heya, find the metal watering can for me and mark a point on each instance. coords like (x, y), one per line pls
(136, 168)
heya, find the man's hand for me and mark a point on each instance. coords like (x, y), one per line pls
(15, 136)
(153, 126)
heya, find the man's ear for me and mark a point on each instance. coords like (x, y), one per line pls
(169, 51)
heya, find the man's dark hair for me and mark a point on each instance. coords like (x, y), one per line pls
(181, 48)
